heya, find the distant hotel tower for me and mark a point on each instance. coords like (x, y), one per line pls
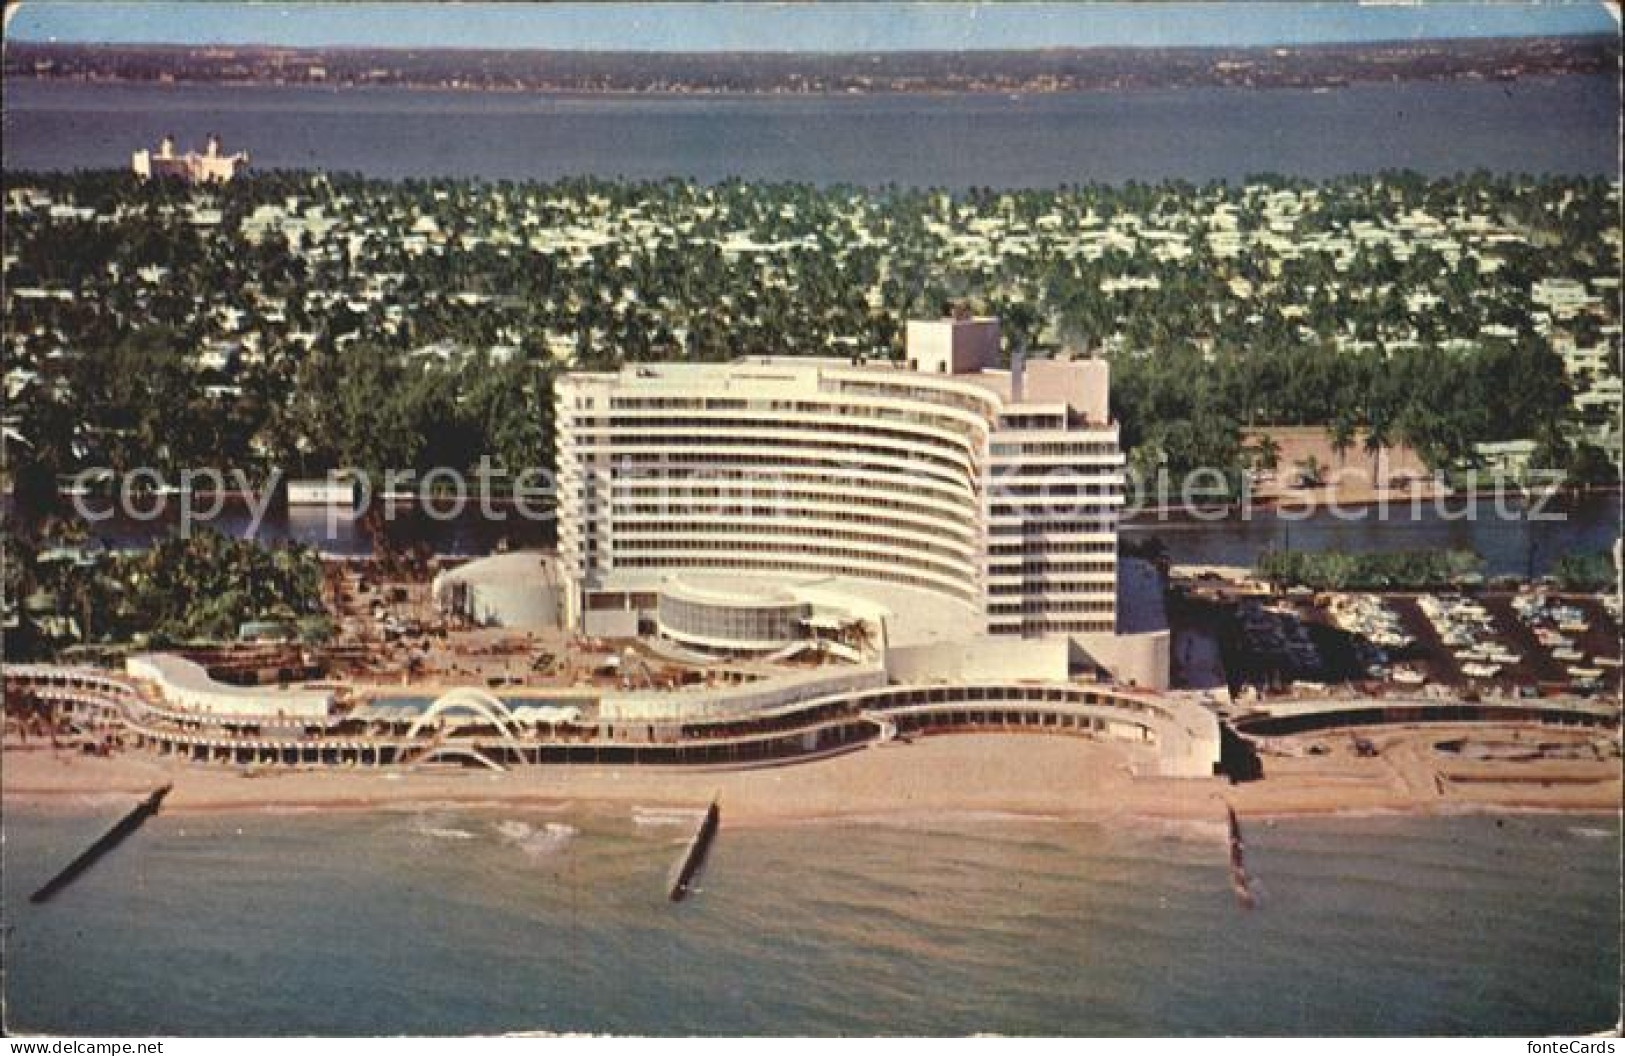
(977, 501)
(209, 167)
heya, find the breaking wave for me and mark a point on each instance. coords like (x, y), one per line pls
(536, 841)
(666, 816)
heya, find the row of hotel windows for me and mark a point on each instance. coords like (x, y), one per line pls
(653, 465)
(906, 697)
(690, 537)
(768, 623)
(967, 441)
(1051, 590)
(1011, 549)
(962, 466)
(1045, 527)
(771, 515)
(1068, 419)
(844, 410)
(1041, 608)
(981, 408)
(981, 405)
(656, 502)
(1074, 483)
(779, 562)
(1029, 566)
(773, 487)
(662, 481)
(1035, 627)
(1079, 448)
(937, 522)
(1041, 514)
(674, 473)
(1056, 473)
(619, 600)
(1045, 568)
(1053, 491)
(1027, 421)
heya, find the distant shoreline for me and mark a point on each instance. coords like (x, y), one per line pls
(671, 74)
(702, 95)
(734, 96)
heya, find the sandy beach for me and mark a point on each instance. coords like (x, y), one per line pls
(1034, 776)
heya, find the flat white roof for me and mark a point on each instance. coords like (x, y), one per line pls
(510, 569)
(187, 683)
(758, 592)
(913, 616)
(1082, 384)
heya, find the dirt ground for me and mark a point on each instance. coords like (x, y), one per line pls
(1352, 476)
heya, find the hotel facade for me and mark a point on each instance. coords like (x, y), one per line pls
(944, 500)
(842, 554)
(211, 166)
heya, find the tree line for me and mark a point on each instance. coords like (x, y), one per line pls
(1207, 346)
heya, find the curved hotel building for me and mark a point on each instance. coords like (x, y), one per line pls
(943, 529)
(744, 507)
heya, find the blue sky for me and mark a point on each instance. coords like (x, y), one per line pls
(795, 26)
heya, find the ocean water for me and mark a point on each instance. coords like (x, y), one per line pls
(1560, 125)
(456, 920)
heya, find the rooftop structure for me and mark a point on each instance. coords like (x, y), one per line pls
(949, 497)
(211, 166)
(187, 685)
(505, 590)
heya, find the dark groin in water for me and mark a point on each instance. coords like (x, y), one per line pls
(104, 843)
(687, 869)
(1240, 882)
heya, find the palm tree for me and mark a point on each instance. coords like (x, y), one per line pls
(1342, 437)
(1309, 472)
(858, 634)
(1376, 442)
(1267, 452)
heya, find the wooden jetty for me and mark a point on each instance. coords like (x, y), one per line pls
(687, 869)
(106, 842)
(1240, 882)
